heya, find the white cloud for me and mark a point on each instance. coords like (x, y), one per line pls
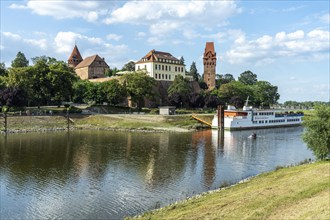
(165, 18)
(64, 41)
(114, 37)
(313, 45)
(325, 18)
(141, 34)
(12, 35)
(16, 6)
(138, 12)
(61, 9)
(41, 43)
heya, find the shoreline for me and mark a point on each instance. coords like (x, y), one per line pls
(197, 206)
(109, 122)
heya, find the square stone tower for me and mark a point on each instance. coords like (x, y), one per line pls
(210, 62)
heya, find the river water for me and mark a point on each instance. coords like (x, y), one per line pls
(110, 175)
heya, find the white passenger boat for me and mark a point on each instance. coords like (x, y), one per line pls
(250, 118)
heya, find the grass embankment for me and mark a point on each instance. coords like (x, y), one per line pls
(301, 192)
(110, 121)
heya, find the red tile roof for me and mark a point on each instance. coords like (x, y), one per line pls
(89, 60)
(157, 56)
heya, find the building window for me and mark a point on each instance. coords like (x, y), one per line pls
(169, 77)
(155, 75)
(166, 68)
(156, 67)
(165, 76)
(162, 76)
(169, 68)
(145, 66)
(175, 69)
(138, 67)
(162, 67)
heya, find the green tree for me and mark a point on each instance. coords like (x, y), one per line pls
(20, 60)
(224, 79)
(130, 66)
(179, 85)
(182, 60)
(248, 78)
(139, 85)
(317, 131)
(48, 60)
(112, 92)
(193, 72)
(61, 78)
(80, 91)
(21, 78)
(41, 83)
(178, 92)
(3, 70)
(234, 93)
(265, 94)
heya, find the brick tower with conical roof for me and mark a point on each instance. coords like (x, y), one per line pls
(75, 57)
(210, 62)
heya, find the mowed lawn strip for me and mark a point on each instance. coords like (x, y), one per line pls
(301, 192)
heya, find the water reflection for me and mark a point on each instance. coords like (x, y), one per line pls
(99, 174)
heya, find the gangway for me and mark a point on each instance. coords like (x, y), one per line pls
(201, 120)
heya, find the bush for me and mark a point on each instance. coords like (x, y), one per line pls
(317, 133)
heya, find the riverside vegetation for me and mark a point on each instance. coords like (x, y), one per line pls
(300, 192)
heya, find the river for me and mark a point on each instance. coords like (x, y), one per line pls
(110, 175)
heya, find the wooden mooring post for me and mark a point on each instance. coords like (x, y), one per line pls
(221, 115)
(5, 123)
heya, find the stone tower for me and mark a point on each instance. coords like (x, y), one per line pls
(210, 62)
(75, 57)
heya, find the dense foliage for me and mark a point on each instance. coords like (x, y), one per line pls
(139, 86)
(20, 61)
(317, 133)
(51, 82)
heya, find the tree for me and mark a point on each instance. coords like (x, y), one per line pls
(317, 132)
(61, 78)
(265, 94)
(112, 92)
(20, 61)
(21, 78)
(179, 91)
(48, 60)
(224, 79)
(3, 70)
(41, 84)
(139, 85)
(182, 60)
(130, 66)
(179, 85)
(234, 93)
(193, 72)
(13, 97)
(248, 78)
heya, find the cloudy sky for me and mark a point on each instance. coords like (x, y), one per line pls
(283, 42)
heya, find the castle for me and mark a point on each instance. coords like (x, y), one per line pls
(91, 67)
(162, 66)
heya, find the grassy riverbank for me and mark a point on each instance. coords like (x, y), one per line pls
(108, 121)
(301, 192)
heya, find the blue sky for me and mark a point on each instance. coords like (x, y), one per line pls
(283, 42)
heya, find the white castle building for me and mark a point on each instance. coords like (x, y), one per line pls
(161, 66)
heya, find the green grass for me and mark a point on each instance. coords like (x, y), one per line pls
(301, 192)
(126, 121)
